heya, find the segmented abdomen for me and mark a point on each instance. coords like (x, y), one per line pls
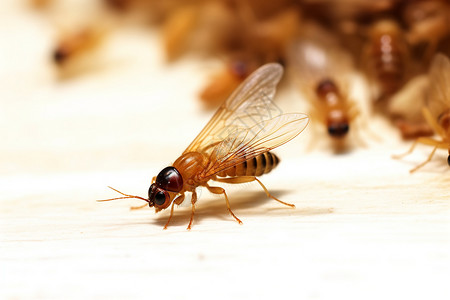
(389, 63)
(256, 166)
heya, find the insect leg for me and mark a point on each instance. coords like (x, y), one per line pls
(426, 161)
(425, 141)
(269, 195)
(178, 200)
(243, 179)
(219, 190)
(398, 156)
(193, 200)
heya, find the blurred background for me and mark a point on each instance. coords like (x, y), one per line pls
(109, 92)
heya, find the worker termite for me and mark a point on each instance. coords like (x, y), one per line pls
(73, 44)
(74, 52)
(387, 56)
(232, 148)
(322, 69)
(437, 109)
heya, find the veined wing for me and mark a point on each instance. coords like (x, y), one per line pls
(246, 143)
(250, 104)
(438, 98)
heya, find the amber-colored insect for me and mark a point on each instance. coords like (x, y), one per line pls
(77, 51)
(232, 148)
(387, 56)
(178, 28)
(74, 44)
(437, 110)
(322, 70)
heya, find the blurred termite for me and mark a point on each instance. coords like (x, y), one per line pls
(177, 30)
(234, 147)
(428, 23)
(40, 4)
(387, 57)
(349, 18)
(268, 38)
(437, 110)
(74, 52)
(348, 9)
(210, 27)
(256, 43)
(322, 69)
(119, 5)
(225, 81)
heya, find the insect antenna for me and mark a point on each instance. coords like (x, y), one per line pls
(126, 196)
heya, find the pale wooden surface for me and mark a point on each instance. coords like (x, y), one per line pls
(364, 228)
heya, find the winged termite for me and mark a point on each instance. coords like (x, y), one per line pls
(232, 148)
(323, 70)
(437, 109)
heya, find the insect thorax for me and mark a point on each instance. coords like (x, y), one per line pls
(190, 165)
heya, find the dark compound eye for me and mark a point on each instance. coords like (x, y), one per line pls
(160, 198)
(448, 160)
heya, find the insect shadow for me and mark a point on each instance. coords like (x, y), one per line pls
(245, 204)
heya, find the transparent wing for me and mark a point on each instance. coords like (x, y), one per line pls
(438, 99)
(250, 104)
(246, 143)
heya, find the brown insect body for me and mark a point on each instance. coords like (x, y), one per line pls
(190, 165)
(75, 44)
(387, 53)
(334, 108)
(185, 174)
(232, 148)
(256, 166)
(444, 122)
(322, 69)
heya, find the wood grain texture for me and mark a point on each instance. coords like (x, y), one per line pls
(364, 228)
